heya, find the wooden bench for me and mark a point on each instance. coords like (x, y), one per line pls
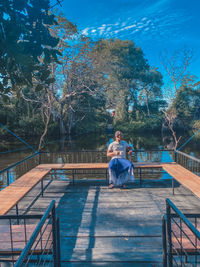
(176, 171)
(184, 177)
(74, 167)
(12, 194)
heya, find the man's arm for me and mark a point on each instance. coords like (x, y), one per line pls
(111, 153)
(129, 149)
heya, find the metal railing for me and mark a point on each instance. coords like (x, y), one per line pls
(88, 156)
(43, 246)
(189, 162)
(10, 174)
(181, 237)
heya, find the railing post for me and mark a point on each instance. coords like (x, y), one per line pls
(175, 155)
(58, 241)
(164, 241)
(39, 159)
(169, 230)
(55, 256)
(7, 174)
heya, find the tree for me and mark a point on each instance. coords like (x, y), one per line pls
(77, 79)
(26, 45)
(121, 67)
(150, 84)
(177, 66)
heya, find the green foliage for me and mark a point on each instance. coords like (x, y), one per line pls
(147, 125)
(186, 105)
(26, 45)
(196, 127)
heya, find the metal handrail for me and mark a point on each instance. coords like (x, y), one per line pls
(170, 204)
(26, 250)
(104, 151)
(170, 252)
(64, 152)
(18, 163)
(186, 155)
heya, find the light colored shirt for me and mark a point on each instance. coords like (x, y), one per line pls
(121, 146)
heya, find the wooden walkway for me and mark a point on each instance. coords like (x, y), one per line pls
(102, 225)
(11, 195)
(184, 177)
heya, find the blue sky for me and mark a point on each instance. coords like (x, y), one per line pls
(154, 25)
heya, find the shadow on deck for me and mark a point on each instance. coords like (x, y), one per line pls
(111, 227)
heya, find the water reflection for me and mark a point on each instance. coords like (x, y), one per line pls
(93, 142)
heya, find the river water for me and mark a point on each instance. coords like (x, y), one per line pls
(13, 150)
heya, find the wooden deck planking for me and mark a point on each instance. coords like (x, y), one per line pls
(70, 166)
(13, 193)
(184, 241)
(30, 178)
(185, 177)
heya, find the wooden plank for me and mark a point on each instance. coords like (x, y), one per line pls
(186, 242)
(185, 177)
(13, 193)
(70, 166)
(20, 239)
(30, 179)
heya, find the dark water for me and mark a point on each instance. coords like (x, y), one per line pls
(18, 151)
(88, 148)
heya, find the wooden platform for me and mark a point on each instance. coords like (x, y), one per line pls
(184, 241)
(78, 166)
(14, 238)
(184, 177)
(110, 227)
(179, 173)
(12, 194)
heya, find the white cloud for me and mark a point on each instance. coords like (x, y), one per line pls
(85, 31)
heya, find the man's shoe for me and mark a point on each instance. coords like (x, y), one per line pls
(111, 186)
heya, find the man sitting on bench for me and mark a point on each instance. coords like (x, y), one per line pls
(120, 169)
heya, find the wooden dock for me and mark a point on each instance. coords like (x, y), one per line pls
(103, 227)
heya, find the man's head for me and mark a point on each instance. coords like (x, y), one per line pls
(118, 135)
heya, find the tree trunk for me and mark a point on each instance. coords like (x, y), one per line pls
(147, 104)
(61, 120)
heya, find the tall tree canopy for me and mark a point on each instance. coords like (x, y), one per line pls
(129, 80)
(26, 45)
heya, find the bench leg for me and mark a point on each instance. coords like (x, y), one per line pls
(73, 177)
(42, 187)
(17, 213)
(106, 175)
(173, 185)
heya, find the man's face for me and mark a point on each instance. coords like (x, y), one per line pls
(118, 137)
